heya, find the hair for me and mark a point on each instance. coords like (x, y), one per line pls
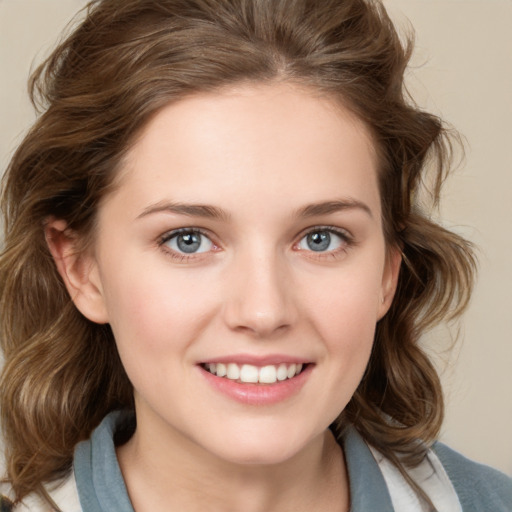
(126, 60)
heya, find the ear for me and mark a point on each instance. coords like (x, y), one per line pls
(389, 280)
(78, 270)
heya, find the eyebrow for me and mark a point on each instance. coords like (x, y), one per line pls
(214, 212)
(328, 207)
(191, 210)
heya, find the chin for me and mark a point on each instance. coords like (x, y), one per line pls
(260, 448)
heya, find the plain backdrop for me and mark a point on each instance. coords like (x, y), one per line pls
(461, 70)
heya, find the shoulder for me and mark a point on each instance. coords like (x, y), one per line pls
(479, 487)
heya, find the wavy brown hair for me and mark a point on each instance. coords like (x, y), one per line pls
(124, 61)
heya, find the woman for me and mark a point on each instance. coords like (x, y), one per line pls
(216, 271)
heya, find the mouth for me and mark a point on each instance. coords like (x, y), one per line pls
(257, 381)
(252, 374)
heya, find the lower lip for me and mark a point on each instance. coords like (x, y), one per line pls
(258, 394)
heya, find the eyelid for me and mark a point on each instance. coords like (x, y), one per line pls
(181, 256)
(342, 232)
(165, 237)
(345, 235)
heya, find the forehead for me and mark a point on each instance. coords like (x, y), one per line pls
(251, 140)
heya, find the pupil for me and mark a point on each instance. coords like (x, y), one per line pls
(189, 242)
(319, 241)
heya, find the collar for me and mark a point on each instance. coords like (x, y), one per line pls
(101, 486)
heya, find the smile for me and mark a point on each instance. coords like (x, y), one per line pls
(248, 373)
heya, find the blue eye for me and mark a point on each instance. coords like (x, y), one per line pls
(188, 242)
(322, 240)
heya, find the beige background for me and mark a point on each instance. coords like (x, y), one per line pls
(463, 71)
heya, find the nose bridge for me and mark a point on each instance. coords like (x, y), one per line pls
(260, 298)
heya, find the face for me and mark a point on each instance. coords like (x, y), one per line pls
(242, 266)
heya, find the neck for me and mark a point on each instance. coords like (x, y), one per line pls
(173, 475)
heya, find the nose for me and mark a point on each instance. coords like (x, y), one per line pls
(260, 296)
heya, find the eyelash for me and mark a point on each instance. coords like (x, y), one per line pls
(179, 256)
(346, 238)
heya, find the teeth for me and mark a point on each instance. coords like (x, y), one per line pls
(233, 371)
(268, 374)
(221, 370)
(252, 374)
(282, 372)
(249, 373)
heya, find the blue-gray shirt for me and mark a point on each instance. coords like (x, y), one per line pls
(101, 486)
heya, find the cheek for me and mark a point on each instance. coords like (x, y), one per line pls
(348, 332)
(154, 311)
(344, 313)
(155, 321)
(347, 303)
(344, 320)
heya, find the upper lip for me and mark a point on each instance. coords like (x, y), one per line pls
(257, 360)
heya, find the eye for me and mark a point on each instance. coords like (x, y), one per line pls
(323, 240)
(188, 241)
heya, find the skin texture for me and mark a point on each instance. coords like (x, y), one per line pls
(262, 154)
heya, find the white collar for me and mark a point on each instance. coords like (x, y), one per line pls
(430, 475)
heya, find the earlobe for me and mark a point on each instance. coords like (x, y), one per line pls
(78, 270)
(389, 280)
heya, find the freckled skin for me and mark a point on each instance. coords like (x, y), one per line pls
(261, 153)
